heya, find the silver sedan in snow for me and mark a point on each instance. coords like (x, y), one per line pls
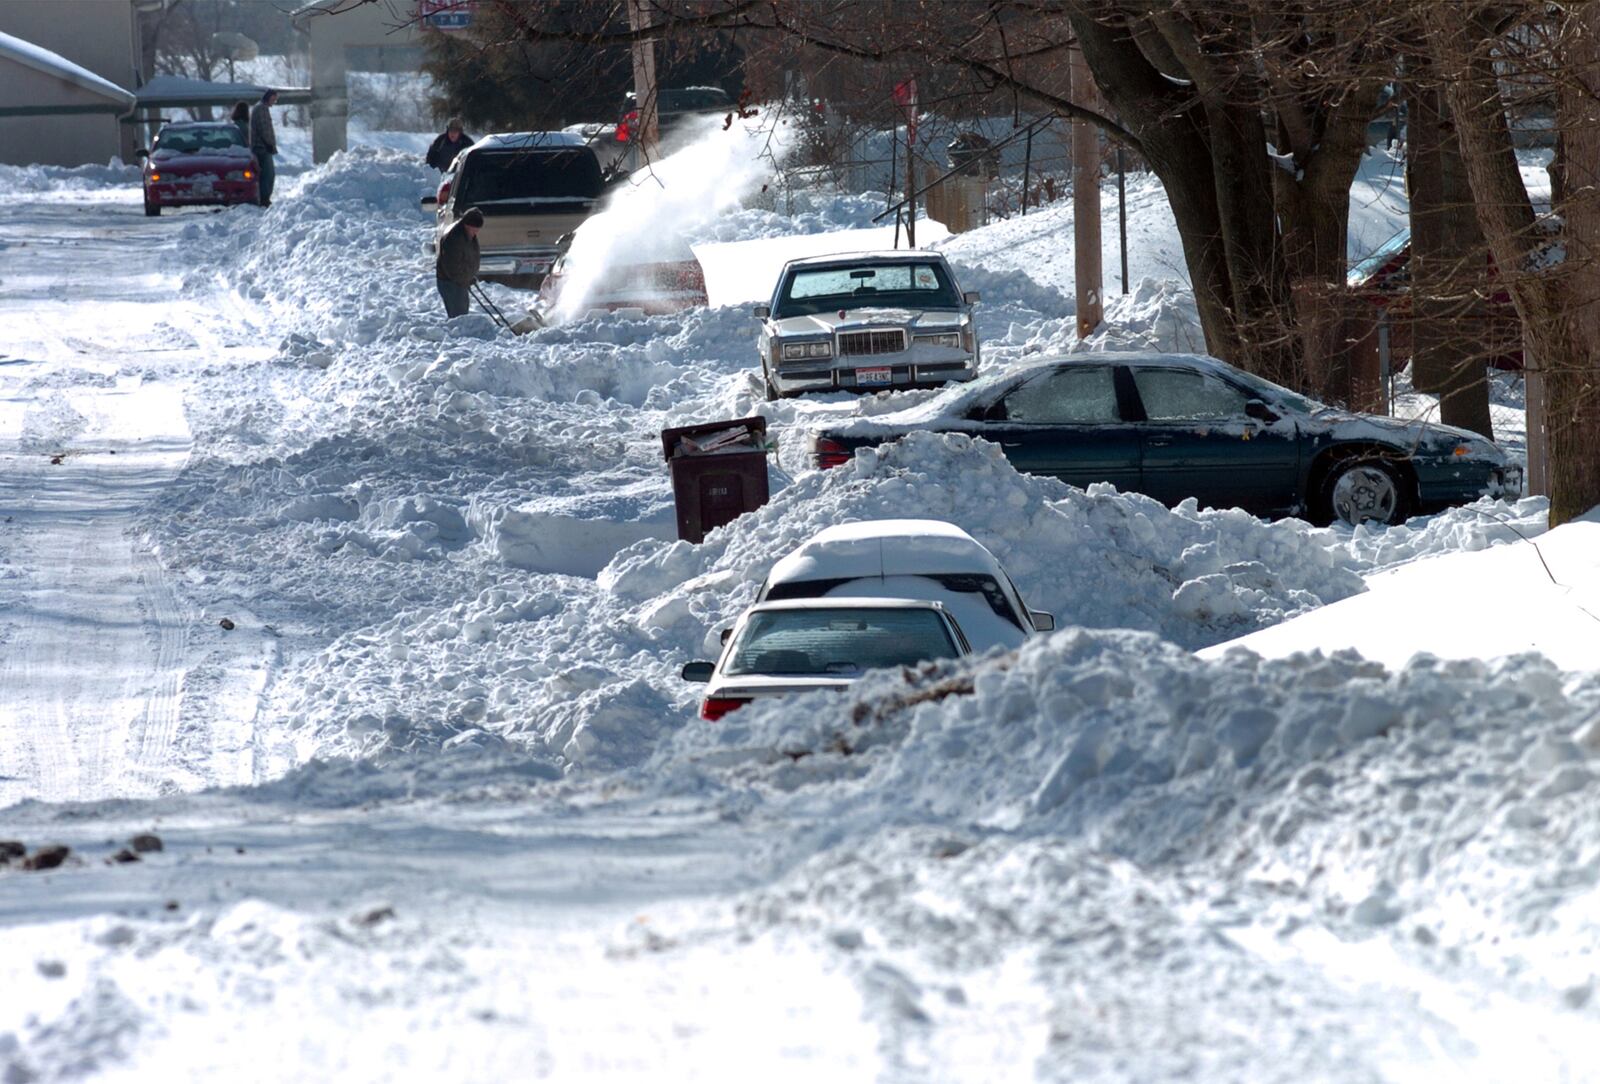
(866, 322)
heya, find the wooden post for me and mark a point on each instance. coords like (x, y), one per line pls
(644, 80)
(1533, 397)
(1086, 202)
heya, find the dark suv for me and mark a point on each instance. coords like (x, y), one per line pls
(673, 107)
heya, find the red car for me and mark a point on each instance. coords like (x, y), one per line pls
(656, 286)
(203, 162)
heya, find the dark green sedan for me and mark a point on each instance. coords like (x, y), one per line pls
(1175, 426)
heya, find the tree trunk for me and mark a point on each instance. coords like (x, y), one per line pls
(1573, 401)
(1448, 266)
(1554, 299)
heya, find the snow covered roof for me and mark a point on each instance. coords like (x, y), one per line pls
(885, 547)
(528, 140)
(115, 99)
(902, 255)
(179, 91)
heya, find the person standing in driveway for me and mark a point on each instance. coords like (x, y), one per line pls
(456, 269)
(264, 142)
(449, 143)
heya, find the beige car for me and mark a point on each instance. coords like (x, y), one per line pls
(534, 188)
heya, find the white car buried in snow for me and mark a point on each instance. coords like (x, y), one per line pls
(925, 559)
(865, 322)
(782, 648)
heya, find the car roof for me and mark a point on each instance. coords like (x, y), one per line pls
(847, 604)
(198, 124)
(880, 256)
(885, 547)
(525, 141)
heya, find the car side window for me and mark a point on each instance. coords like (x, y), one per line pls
(1184, 394)
(1075, 395)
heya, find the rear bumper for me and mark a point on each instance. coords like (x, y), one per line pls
(831, 376)
(537, 261)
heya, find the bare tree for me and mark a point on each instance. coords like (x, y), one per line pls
(1554, 278)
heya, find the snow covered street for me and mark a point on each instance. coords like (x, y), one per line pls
(103, 658)
(375, 621)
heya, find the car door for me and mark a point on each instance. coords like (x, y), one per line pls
(1198, 441)
(1066, 422)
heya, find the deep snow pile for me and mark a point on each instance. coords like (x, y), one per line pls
(1445, 806)
(439, 502)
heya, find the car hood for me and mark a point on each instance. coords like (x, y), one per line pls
(208, 161)
(915, 320)
(1409, 433)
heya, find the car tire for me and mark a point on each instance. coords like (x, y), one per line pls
(773, 394)
(1364, 489)
(151, 210)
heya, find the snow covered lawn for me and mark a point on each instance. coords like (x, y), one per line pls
(434, 804)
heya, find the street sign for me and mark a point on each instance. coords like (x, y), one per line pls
(446, 14)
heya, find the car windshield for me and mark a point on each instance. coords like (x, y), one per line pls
(837, 641)
(529, 175)
(191, 140)
(901, 285)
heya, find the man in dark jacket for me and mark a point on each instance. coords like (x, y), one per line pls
(264, 142)
(449, 143)
(457, 266)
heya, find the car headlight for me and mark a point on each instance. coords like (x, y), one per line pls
(801, 351)
(950, 340)
(241, 175)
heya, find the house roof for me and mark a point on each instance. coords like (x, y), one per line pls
(104, 95)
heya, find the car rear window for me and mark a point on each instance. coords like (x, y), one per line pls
(190, 140)
(530, 176)
(960, 583)
(810, 290)
(819, 643)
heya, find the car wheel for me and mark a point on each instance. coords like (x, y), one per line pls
(773, 394)
(1364, 491)
(151, 210)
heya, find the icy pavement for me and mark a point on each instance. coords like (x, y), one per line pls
(479, 833)
(113, 686)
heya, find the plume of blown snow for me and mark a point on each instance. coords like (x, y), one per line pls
(659, 209)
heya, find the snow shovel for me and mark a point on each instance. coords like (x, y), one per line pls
(528, 323)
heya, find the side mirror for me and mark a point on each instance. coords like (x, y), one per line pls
(722, 637)
(697, 671)
(1042, 621)
(1260, 411)
(761, 312)
(972, 297)
(430, 201)
(141, 153)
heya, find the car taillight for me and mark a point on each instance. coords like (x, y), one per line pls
(443, 195)
(715, 707)
(830, 453)
(625, 128)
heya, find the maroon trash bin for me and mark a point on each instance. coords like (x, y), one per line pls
(719, 472)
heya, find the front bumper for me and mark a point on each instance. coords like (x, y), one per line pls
(186, 193)
(828, 374)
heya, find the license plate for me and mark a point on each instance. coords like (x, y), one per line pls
(882, 375)
(533, 267)
(203, 188)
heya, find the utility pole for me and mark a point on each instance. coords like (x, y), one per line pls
(645, 93)
(1086, 201)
